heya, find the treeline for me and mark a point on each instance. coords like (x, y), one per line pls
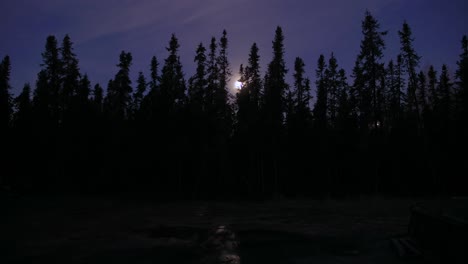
(390, 129)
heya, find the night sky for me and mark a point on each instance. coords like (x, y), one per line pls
(101, 29)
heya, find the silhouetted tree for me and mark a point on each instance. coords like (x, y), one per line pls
(98, 100)
(410, 61)
(46, 95)
(252, 82)
(222, 107)
(213, 75)
(368, 72)
(243, 106)
(70, 81)
(23, 105)
(139, 95)
(334, 87)
(444, 91)
(172, 86)
(153, 84)
(321, 108)
(462, 76)
(344, 118)
(119, 90)
(5, 96)
(302, 86)
(422, 94)
(150, 102)
(41, 100)
(248, 98)
(395, 83)
(198, 82)
(275, 87)
(432, 87)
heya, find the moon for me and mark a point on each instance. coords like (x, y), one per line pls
(238, 85)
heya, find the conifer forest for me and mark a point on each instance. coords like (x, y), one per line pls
(382, 127)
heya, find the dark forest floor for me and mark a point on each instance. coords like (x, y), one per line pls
(111, 230)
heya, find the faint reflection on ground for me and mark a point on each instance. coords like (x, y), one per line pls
(102, 230)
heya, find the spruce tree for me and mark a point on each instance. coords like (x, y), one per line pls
(213, 76)
(444, 91)
(422, 93)
(462, 77)
(250, 94)
(5, 96)
(23, 114)
(344, 111)
(139, 94)
(320, 108)
(150, 102)
(41, 100)
(275, 87)
(253, 82)
(221, 94)
(368, 71)
(83, 92)
(153, 84)
(70, 79)
(243, 106)
(302, 86)
(410, 61)
(333, 90)
(98, 100)
(198, 82)
(432, 87)
(172, 86)
(120, 89)
(46, 95)
(52, 66)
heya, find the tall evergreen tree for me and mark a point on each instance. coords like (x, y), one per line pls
(172, 86)
(243, 105)
(444, 90)
(23, 114)
(154, 81)
(46, 95)
(198, 82)
(368, 71)
(151, 101)
(344, 117)
(422, 93)
(298, 113)
(394, 93)
(302, 86)
(275, 87)
(410, 63)
(462, 77)
(5, 96)
(320, 108)
(213, 75)
(83, 92)
(249, 96)
(221, 95)
(139, 94)
(333, 89)
(98, 100)
(432, 87)
(41, 100)
(70, 79)
(253, 82)
(120, 89)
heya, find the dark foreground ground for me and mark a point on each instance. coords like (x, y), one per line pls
(105, 230)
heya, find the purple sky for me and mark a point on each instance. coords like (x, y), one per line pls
(101, 29)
